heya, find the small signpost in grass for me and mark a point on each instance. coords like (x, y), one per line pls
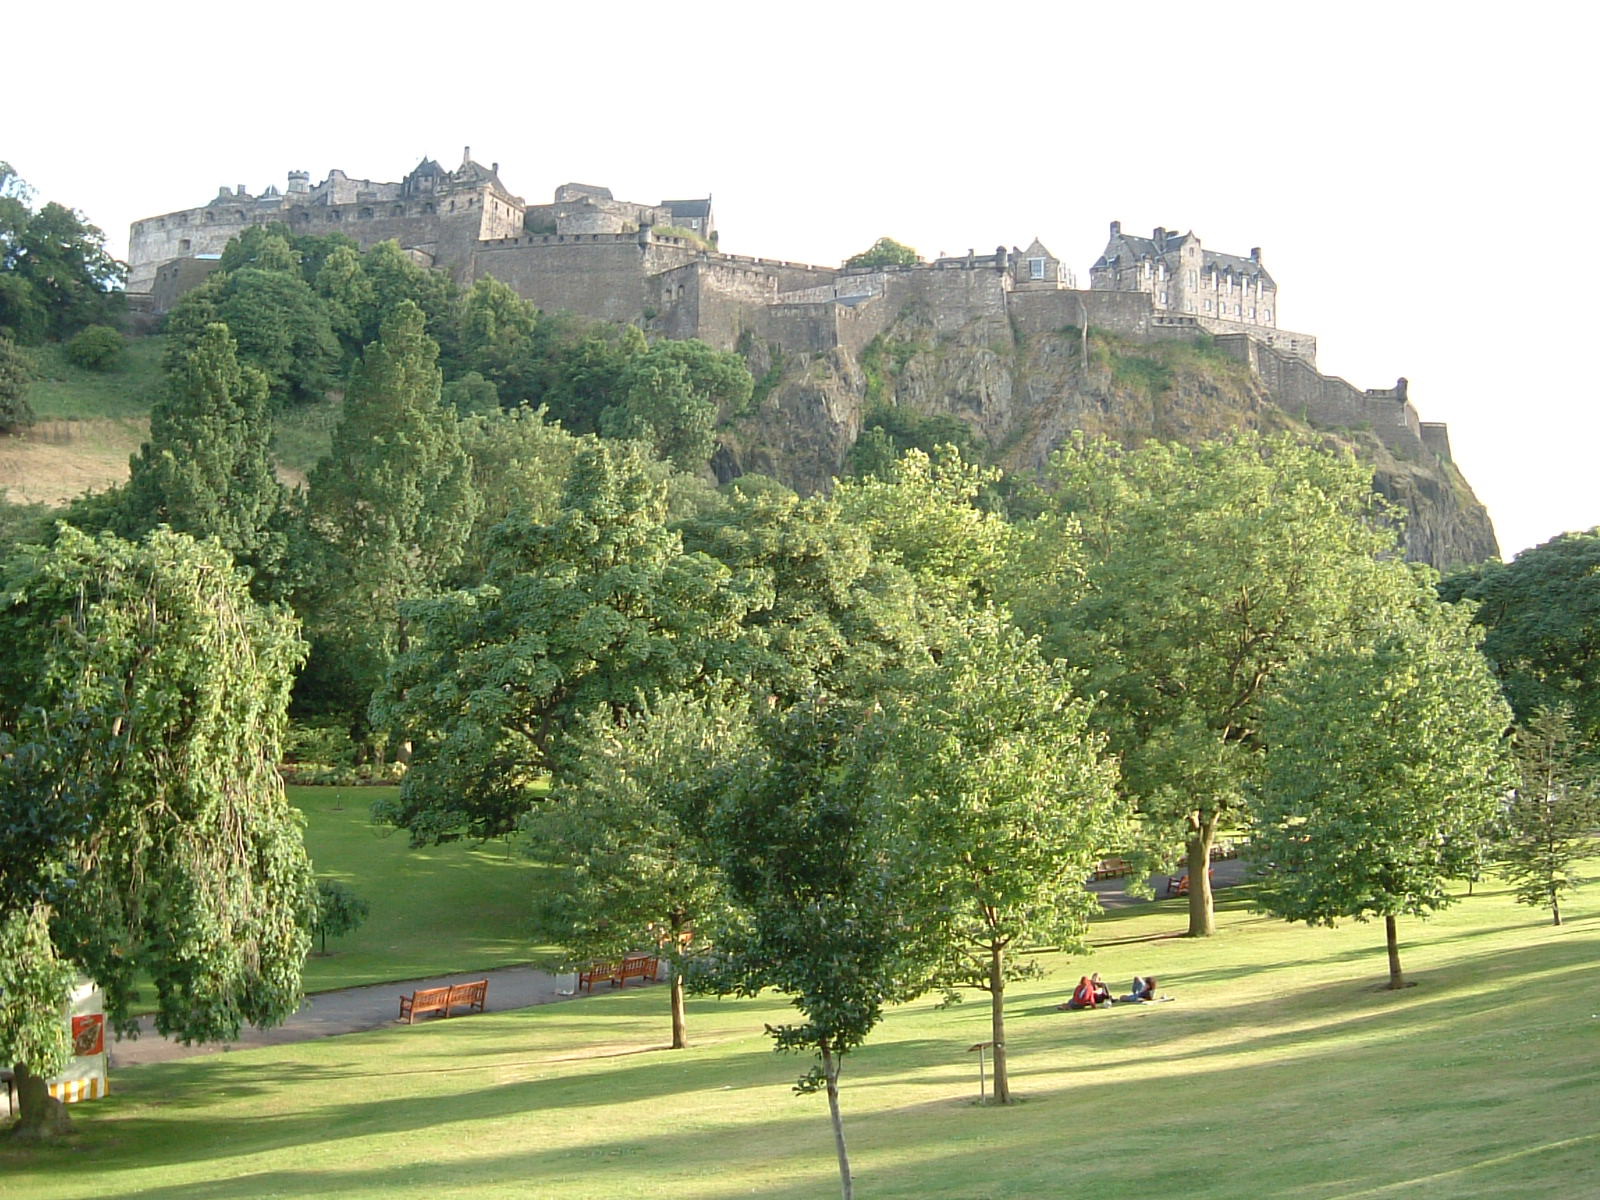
(980, 1048)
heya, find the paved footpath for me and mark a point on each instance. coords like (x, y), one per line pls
(352, 1010)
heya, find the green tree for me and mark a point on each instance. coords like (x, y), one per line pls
(1549, 821)
(520, 464)
(339, 911)
(280, 324)
(885, 252)
(145, 830)
(207, 468)
(55, 274)
(828, 915)
(597, 607)
(265, 247)
(389, 510)
(923, 513)
(588, 376)
(669, 397)
(16, 377)
(1542, 617)
(1008, 802)
(1184, 580)
(629, 823)
(96, 348)
(347, 296)
(1384, 761)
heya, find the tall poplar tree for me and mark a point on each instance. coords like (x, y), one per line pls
(389, 509)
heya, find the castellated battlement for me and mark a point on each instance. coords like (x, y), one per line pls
(659, 266)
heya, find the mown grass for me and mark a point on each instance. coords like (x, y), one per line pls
(1281, 1070)
(458, 907)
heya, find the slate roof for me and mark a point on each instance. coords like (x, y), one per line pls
(1130, 248)
(689, 208)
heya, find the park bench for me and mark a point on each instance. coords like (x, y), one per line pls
(1110, 868)
(442, 999)
(1178, 885)
(618, 971)
(636, 966)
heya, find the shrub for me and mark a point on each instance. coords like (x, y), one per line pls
(16, 374)
(96, 348)
(339, 911)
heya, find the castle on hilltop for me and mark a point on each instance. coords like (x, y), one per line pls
(659, 266)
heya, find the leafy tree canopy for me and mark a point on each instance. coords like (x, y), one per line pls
(885, 252)
(1384, 761)
(145, 829)
(55, 274)
(1185, 579)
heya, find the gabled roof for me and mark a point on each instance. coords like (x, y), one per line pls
(688, 208)
(1125, 249)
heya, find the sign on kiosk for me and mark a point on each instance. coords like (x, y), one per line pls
(84, 1076)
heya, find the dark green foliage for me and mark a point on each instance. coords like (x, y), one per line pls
(669, 398)
(265, 247)
(588, 376)
(388, 512)
(145, 830)
(281, 327)
(207, 468)
(96, 348)
(471, 395)
(885, 252)
(55, 274)
(16, 376)
(1549, 821)
(1542, 617)
(889, 430)
(339, 911)
(598, 606)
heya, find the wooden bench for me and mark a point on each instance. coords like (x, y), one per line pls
(636, 966)
(1110, 868)
(598, 972)
(442, 999)
(1178, 885)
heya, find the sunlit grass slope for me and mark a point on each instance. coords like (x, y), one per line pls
(1279, 1071)
(457, 907)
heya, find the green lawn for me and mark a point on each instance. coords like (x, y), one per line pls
(459, 907)
(1280, 1071)
(65, 392)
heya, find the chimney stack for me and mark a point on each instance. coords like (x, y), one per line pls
(1160, 238)
(466, 155)
(1116, 229)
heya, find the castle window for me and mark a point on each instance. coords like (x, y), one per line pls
(366, 214)
(399, 210)
(1208, 306)
(1266, 314)
(1252, 314)
(183, 244)
(1036, 268)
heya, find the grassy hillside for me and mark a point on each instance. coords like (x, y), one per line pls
(1280, 1070)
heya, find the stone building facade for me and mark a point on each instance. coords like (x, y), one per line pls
(658, 266)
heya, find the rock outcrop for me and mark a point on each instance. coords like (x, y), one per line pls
(1022, 396)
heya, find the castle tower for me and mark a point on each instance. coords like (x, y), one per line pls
(299, 183)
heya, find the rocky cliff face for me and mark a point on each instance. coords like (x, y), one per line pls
(1023, 396)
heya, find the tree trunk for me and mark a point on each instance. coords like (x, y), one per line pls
(997, 1024)
(1202, 916)
(1555, 905)
(680, 1034)
(43, 1117)
(830, 1072)
(1396, 980)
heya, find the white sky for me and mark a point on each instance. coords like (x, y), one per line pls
(1408, 169)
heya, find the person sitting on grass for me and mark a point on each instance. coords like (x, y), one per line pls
(1090, 993)
(1143, 990)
